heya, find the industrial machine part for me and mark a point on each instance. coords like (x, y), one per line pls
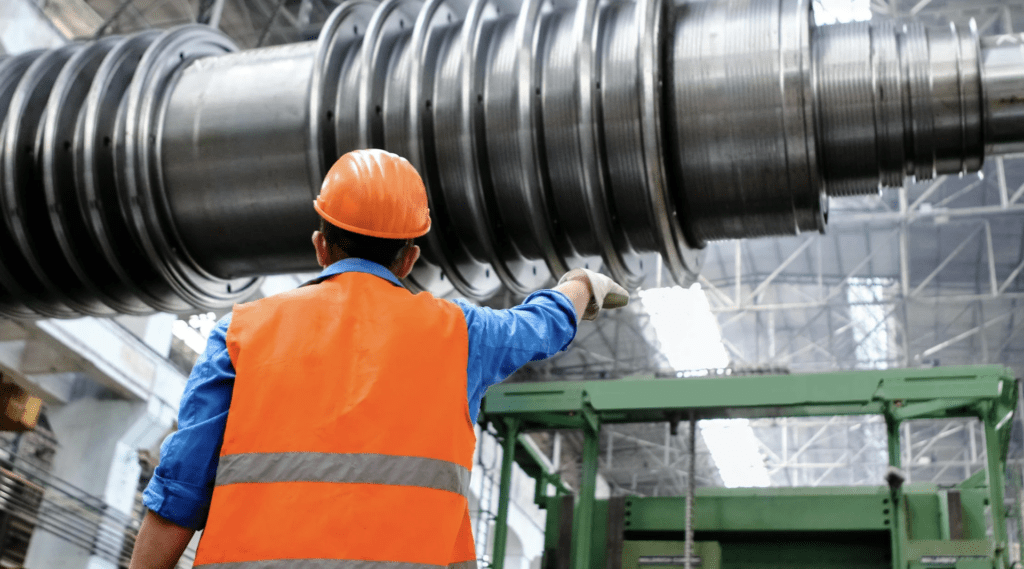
(165, 171)
(897, 526)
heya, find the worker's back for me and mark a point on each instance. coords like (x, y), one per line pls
(342, 412)
(348, 435)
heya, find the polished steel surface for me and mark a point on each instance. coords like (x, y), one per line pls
(895, 101)
(744, 137)
(166, 171)
(1003, 72)
(242, 187)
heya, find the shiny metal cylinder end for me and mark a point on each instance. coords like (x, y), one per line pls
(1003, 79)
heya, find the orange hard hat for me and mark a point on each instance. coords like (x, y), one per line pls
(376, 193)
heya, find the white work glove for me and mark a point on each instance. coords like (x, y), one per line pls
(606, 293)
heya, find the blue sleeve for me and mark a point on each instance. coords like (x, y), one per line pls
(502, 341)
(182, 485)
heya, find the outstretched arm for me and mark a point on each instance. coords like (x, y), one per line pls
(160, 543)
(578, 293)
(600, 293)
(500, 341)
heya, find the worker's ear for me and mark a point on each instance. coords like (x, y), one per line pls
(405, 262)
(323, 257)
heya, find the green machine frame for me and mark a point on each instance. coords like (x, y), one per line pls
(912, 526)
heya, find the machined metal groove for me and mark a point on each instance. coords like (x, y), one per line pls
(166, 172)
(502, 135)
(95, 178)
(850, 57)
(889, 115)
(474, 274)
(921, 126)
(799, 135)
(599, 208)
(60, 187)
(681, 259)
(474, 183)
(23, 302)
(522, 172)
(339, 32)
(428, 31)
(23, 204)
(378, 45)
(620, 139)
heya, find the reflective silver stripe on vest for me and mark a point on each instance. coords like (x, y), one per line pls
(325, 564)
(463, 565)
(351, 468)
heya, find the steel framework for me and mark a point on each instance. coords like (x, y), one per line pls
(987, 394)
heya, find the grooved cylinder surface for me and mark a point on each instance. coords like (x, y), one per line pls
(162, 171)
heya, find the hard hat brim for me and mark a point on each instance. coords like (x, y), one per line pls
(418, 232)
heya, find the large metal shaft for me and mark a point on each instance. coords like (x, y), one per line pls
(165, 171)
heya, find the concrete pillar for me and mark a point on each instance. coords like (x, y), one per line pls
(98, 453)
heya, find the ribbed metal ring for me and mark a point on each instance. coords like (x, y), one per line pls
(429, 273)
(916, 72)
(495, 140)
(13, 297)
(682, 260)
(808, 196)
(518, 275)
(338, 37)
(95, 141)
(614, 249)
(24, 207)
(534, 195)
(66, 213)
(618, 86)
(437, 24)
(388, 21)
(972, 92)
(889, 115)
(472, 275)
(142, 188)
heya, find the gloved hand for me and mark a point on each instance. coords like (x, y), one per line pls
(605, 293)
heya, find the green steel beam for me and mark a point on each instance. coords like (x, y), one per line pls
(759, 509)
(929, 393)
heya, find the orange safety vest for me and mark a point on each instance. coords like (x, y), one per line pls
(348, 442)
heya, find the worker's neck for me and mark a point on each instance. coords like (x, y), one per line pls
(336, 255)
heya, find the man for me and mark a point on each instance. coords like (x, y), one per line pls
(332, 426)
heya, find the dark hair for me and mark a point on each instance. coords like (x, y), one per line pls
(376, 249)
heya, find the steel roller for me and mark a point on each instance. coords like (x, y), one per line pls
(166, 171)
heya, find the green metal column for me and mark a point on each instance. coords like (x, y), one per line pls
(899, 531)
(892, 429)
(996, 469)
(508, 454)
(584, 517)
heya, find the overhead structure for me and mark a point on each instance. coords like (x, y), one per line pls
(166, 171)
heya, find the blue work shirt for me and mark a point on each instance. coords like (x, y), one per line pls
(500, 342)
